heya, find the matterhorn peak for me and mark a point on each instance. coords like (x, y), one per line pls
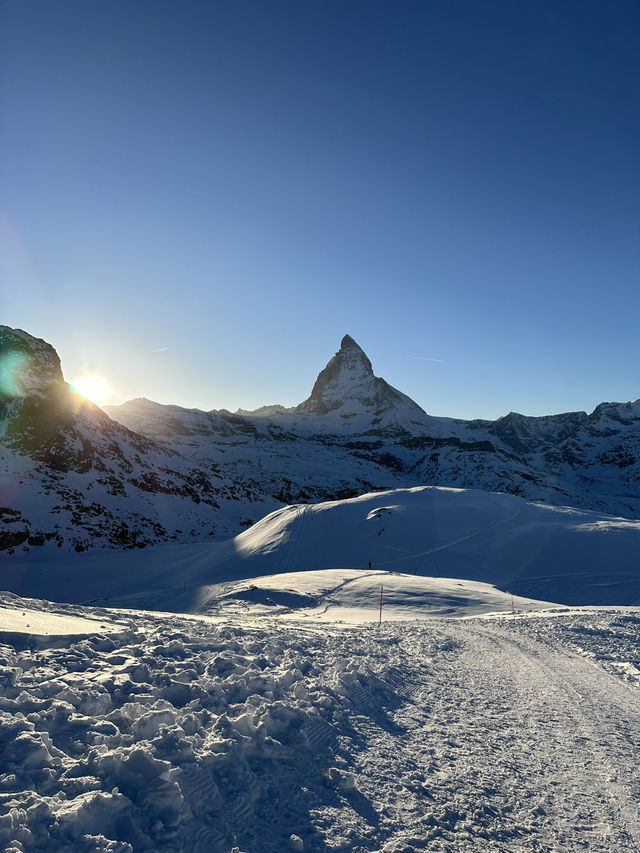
(348, 385)
(347, 342)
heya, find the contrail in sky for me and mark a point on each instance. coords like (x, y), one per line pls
(406, 355)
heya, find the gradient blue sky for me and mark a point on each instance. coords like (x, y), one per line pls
(200, 198)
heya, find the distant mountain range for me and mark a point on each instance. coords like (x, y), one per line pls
(77, 477)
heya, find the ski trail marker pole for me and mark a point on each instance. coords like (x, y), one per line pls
(380, 620)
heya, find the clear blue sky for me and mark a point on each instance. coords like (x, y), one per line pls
(200, 198)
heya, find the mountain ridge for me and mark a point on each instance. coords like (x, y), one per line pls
(144, 472)
(555, 458)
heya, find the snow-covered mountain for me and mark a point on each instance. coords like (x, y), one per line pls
(347, 389)
(355, 431)
(144, 472)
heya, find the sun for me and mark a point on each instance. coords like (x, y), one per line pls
(92, 387)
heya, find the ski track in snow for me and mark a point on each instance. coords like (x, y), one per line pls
(543, 743)
(502, 522)
(177, 734)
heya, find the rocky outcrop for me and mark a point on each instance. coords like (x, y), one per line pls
(73, 476)
(34, 399)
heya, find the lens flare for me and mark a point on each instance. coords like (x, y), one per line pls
(12, 366)
(92, 387)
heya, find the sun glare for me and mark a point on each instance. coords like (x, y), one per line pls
(92, 387)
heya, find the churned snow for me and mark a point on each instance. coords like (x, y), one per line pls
(183, 734)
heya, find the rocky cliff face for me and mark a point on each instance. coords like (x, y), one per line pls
(73, 477)
(527, 435)
(29, 367)
(603, 452)
(34, 399)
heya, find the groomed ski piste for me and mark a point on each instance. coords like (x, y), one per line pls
(277, 708)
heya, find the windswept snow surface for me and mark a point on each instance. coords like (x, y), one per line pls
(517, 733)
(544, 552)
(22, 625)
(547, 553)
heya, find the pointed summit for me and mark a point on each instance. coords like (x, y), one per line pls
(348, 384)
(347, 342)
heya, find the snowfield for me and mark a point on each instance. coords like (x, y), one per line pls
(548, 553)
(158, 732)
(252, 703)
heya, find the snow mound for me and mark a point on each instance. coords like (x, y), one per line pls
(535, 550)
(352, 597)
(44, 628)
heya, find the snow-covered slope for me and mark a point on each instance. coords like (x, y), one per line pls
(550, 553)
(272, 460)
(359, 597)
(556, 554)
